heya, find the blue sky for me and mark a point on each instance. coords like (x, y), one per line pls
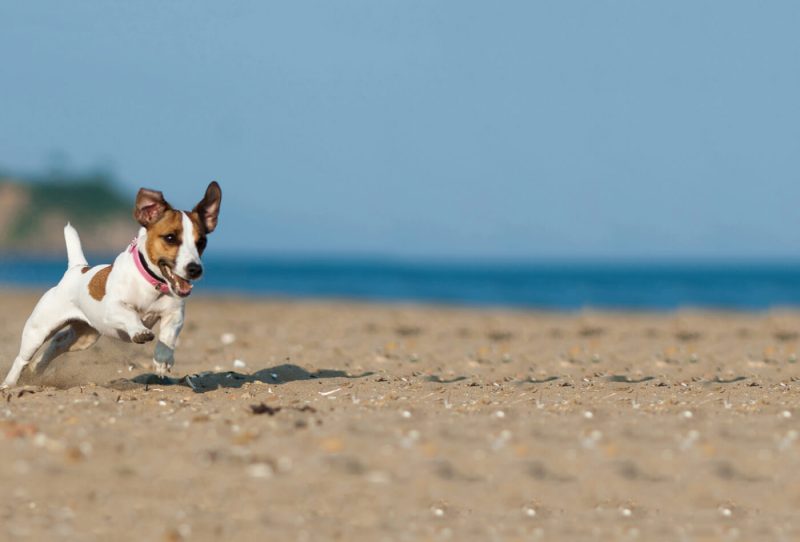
(429, 129)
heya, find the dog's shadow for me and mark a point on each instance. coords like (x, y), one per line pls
(209, 380)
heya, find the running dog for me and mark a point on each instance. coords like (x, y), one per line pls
(147, 283)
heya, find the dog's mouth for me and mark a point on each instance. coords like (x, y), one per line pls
(181, 286)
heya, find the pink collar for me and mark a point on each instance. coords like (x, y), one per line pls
(145, 272)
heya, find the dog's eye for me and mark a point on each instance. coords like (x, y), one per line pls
(201, 243)
(171, 239)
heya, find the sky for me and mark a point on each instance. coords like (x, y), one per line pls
(428, 129)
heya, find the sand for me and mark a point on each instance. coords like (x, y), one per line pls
(374, 422)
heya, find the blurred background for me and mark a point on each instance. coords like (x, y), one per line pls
(533, 154)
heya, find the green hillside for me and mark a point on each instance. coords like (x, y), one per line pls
(32, 211)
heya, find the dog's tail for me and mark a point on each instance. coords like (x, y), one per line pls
(75, 255)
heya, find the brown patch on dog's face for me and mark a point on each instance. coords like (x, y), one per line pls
(164, 238)
(199, 231)
(97, 285)
(85, 269)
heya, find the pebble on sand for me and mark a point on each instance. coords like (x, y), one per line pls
(529, 511)
(259, 470)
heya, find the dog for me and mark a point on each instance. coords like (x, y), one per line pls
(147, 283)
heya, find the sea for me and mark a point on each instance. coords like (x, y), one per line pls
(564, 286)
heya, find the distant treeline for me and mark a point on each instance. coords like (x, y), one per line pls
(32, 209)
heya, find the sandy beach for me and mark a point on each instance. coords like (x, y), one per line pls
(366, 422)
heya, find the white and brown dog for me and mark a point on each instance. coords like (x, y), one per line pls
(147, 283)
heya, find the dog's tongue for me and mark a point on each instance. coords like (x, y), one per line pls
(182, 287)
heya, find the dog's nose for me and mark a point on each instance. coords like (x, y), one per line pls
(194, 270)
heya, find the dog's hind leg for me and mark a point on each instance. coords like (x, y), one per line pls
(78, 335)
(49, 316)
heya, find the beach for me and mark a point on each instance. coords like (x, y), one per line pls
(334, 420)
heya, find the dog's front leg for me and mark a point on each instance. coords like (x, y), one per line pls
(126, 320)
(171, 325)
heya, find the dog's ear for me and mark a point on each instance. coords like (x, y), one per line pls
(150, 206)
(208, 208)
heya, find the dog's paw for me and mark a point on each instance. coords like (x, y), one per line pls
(143, 337)
(162, 368)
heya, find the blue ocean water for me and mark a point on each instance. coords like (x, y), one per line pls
(547, 286)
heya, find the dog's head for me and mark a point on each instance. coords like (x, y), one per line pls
(177, 239)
